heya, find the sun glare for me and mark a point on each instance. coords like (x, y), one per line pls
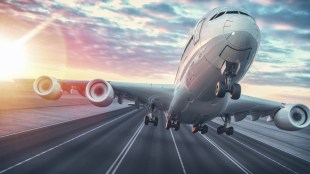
(12, 60)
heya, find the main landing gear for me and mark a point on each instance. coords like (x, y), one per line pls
(199, 127)
(148, 119)
(173, 123)
(224, 128)
(153, 118)
(227, 86)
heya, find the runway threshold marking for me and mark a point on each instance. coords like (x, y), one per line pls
(237, 163)
(125, 150)
(176, 147)
(260, 153)
(68, 141)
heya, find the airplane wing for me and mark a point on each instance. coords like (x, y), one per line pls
(256, 108)
(160, 94)
(101, 93)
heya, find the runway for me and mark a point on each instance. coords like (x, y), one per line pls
(118, 142)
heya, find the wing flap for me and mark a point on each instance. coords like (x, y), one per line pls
(251, 106)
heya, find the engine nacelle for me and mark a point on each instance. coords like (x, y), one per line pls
(47, 88)
(99, 93)
(292, 117)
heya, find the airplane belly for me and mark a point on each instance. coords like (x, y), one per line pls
(199, 103)
(200, 112)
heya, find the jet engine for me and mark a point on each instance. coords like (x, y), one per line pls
(99, 93)
(47, 87)
(292, 117)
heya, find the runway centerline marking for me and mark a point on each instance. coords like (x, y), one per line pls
(125, 150)
(260, 153)
(232, 159)
(176, 147)
(61, 144)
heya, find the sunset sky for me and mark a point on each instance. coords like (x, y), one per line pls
(142, 41)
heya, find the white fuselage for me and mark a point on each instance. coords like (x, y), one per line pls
(232, 37)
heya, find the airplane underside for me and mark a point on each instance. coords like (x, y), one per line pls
(191, 116)
(198, 123)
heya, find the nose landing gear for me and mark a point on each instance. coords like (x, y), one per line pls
(233, 88)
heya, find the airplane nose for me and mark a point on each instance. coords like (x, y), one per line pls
(241, 32)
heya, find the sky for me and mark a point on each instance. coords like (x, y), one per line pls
(142, 41)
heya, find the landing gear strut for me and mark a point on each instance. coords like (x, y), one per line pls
(224, 128)
(199, 127)
(233, 88)
(153, 118)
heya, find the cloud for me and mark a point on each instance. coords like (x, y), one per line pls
(132, 11)
(146, 39)
(162, 8)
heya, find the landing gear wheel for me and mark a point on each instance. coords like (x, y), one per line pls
(235, 91)
(220, 90)
(156, 121)
(220, 130)
(224, 128)
(195, 128)
(168, 124)
(230, 131)
(204, 129)
(199, 127)
(146, 120)
(177, 125)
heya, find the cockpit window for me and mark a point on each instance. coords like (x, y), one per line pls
(213, 17)
(244, 13)
(220, 14)
(232, 12)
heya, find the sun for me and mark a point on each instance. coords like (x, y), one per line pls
(12, 60)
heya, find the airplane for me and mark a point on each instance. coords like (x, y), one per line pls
(219, 52)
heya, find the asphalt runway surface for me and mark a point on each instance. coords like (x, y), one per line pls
(119, 142)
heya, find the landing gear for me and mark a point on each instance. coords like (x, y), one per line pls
(148, 119)
(173, 124)
(168, 124)
(198, 127)
(153, 118)
(233, 88)
(235, 91)
(220, 90)
(228, 130)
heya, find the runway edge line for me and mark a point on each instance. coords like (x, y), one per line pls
(59, 145)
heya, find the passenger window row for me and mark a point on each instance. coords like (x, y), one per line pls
(229, 12)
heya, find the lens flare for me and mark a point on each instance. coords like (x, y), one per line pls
(12, 60)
